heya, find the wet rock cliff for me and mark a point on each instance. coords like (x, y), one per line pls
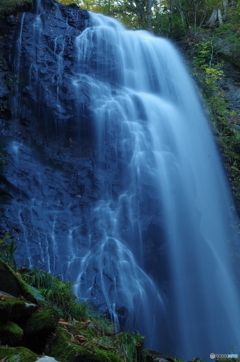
(43, 163)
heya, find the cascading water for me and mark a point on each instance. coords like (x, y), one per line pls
(151, 130)
(150, 241)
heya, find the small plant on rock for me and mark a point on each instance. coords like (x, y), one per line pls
(7, 249)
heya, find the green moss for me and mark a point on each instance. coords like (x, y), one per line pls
(42, 321)
(25, 289)
(11, 334)
(27, 292)
(11, 309)
(18, 354)
(63, 349)
(103, 355)
(38, 328)
(57, 294)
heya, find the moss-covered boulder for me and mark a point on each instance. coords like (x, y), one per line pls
(42, 321)
(18, 354)
(62, 348)
(11, 334)
(13, 284)
(38, 328)
(13, 309)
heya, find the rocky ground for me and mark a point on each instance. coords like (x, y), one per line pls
(33, 329)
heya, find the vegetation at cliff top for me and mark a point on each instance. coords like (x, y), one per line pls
(207, 66)
(9, 6)
(165, 17)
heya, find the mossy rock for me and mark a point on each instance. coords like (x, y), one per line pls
(18, 354)
(232, 58)
(61, 347)
(12, 309)
(42, 321)
(11, 334)
(13, 284)
(38, 328)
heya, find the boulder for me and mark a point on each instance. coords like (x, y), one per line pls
(11, 334)
(13, 309)
(18, 354)
(14, 285)
(61, 347)
(38, 328)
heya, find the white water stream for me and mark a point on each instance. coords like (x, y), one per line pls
(150, 129)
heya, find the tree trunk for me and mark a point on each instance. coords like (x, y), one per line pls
(170, 17)
(220, 17)
(212, 19)
(149, 15)
(225, 5)
(216, 16)
(181, 14)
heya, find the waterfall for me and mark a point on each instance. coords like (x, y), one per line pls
(143, 220)
(150, 129)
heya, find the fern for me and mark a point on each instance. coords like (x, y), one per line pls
(36, 293)
(39, 279)
(57, 293)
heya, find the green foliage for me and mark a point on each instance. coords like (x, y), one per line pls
(58, 294)
(171, 18)
(129, 344)
(36, 293)
(227, 38)
(203, 54)
(39, 279)
(66, 346)
(67, 2)
(7, 249)
(112, 346)
(208, 72)
(103, 325)
(229, 30)
(10, 6)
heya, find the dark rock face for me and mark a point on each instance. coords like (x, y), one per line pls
(44, 161)
(43, 59)
(231, 85)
